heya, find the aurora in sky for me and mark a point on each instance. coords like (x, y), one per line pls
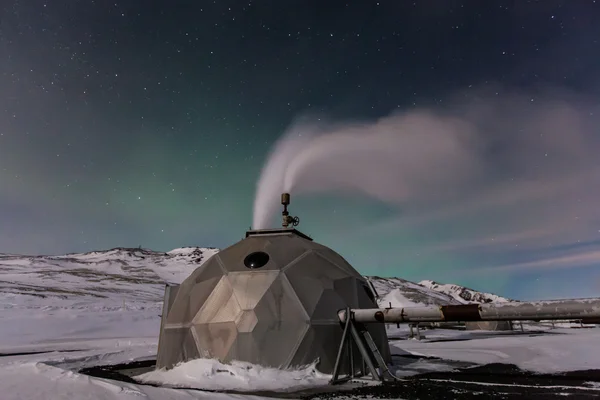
(435, 144)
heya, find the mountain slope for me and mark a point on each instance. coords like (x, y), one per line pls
(102, 294)
(399, 292)
(464, 294)
(136, 274)
(402, 293)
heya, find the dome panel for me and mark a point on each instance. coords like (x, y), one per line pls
(221, 305)
(209, 269)
(327, 307)
(347, 289)
(308, 290)
(244, 348)
(285, 249)
(215, 339)
(320, 341)
(178, 344)
(310, 277)
(337, 260)
(250, 287)
(278, 343)
(366, 298)
(280, 303)
(314, 265)
(307, 348)
(193, 292)
(246, 321)
(232, 258)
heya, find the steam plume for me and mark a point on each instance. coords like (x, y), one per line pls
(491, 151)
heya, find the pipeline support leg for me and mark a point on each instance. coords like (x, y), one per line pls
(359, 336)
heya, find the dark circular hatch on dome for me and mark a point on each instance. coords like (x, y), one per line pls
(257, 259)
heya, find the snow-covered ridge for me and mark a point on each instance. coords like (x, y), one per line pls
(126, 273)
(399, 292)
(464, 294)
(139, 274)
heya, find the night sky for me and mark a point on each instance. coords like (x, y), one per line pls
(129, 123)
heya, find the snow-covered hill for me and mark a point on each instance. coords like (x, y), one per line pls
(402, 293)
(77, 294)
(81, 295)
(132, 274)
(463, 294)
(135, 274)
(59, 314)
(399, 292)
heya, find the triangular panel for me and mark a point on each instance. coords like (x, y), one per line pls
(346, 288)
(246, 321)
(215, 339)
(328, 306)
(244, 348)
(221, 306)
(193, 292)
(249, 287)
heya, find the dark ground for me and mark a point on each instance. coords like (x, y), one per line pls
(492, 381)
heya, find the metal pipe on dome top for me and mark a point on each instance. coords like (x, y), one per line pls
(287, 220)
(579, 309)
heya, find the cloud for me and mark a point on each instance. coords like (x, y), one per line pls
(402, 157)
(576, 259)
(495, 173)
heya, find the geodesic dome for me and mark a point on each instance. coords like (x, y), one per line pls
(271, 299)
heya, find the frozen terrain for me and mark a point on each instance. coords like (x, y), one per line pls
(60, 314)
(562, 349)
(397, 292)
(463, 294)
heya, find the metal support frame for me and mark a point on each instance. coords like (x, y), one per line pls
(373, 363)
(418, 329)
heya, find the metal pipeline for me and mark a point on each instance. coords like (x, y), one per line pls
(579, 309)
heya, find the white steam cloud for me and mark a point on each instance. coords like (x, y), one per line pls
(395, 159)
(529, 162)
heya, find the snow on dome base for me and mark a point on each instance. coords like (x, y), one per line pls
(210, 374)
